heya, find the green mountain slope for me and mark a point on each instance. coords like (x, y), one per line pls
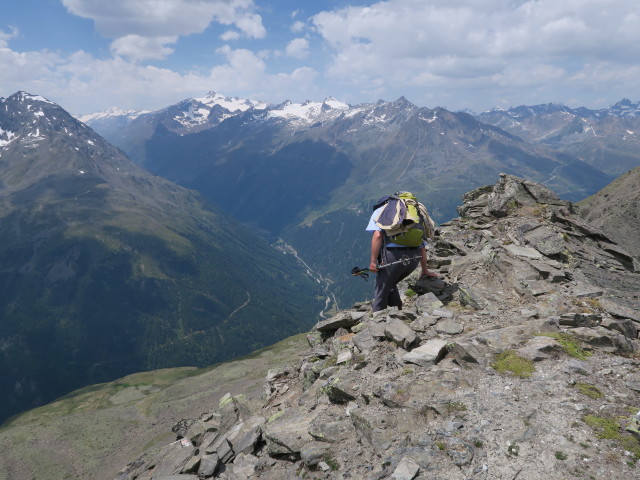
(107, 270)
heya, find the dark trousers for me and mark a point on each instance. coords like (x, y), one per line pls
(386, 290)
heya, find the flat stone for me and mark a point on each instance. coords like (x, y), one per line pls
(341, 320)
(313, 453)
(427, 303)
(587, 291)
(635, 386)
(449, 327)
(344, 357)
(173, 458)
(524, 252)
(423, 322)
(580, 319)
(546, 241)
(331, 432)
(341, 388)
(428, 354)
(441, 313)
(466, 354)
(287, 434)
(399, 333)
(407, 469)
(539, 348)
(247, 438)
(577, 366)
(208, 465)
(364, 340)
(626, 327)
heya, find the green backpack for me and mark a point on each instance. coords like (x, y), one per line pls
(404, 220)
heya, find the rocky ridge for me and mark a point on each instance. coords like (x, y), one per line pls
(519, 362)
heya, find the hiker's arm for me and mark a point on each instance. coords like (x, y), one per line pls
(376, 245)
(423, 263)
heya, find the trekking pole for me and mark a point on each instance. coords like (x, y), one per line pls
(364, 272)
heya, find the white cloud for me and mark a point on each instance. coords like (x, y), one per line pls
(139, 48)
(161, 19)
(6, 36)
(297, 27)
(446, 43)
(298, 48)
(230, 35)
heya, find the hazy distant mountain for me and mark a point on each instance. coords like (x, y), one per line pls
(616, 210)
(106, 269)
(607, 139)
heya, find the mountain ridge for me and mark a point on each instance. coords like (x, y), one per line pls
(107, 269)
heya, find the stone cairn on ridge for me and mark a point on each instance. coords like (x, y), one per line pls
(519, 362)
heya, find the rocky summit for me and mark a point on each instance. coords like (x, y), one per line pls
(519, 362)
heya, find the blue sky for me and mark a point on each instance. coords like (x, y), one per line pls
(88, 55)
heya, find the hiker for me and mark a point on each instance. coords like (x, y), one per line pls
(384, 251)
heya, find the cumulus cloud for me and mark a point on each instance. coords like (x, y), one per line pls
(138, 48)
(129, 22)
(298, 48)
(495, 42)
(297, 26)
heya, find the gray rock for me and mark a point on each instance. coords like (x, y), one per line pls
(626, 327)
(331, 432)
(461, 452)
(287, 434)
(341, 387)
(399, 333)
(619, 311)
(427, 302)
(539, 348)
(172, 459)
(469, 297)
(580, 319)
(427, 354)
(341, 320)
(423, 322)
(635, 386)
(364, 340)
(525, 252)
(208, 465)
(449, 327)
(467, 355)
(580, 367)
(441, 313)
(604, 339)
(407, 469)
(546, 241)
(247, 438)
(313, 453)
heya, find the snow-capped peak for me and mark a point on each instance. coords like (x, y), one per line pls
(309, 111)
(233, 104)
(112, 112)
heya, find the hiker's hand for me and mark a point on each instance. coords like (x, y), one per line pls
(429, 274)
(373, 267)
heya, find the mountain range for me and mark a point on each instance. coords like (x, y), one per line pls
(309, 173)
(106, 269)
(607, 139)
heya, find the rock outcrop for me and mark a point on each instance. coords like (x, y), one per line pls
(519, 362)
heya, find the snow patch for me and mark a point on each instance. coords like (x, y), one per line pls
(8, 137)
